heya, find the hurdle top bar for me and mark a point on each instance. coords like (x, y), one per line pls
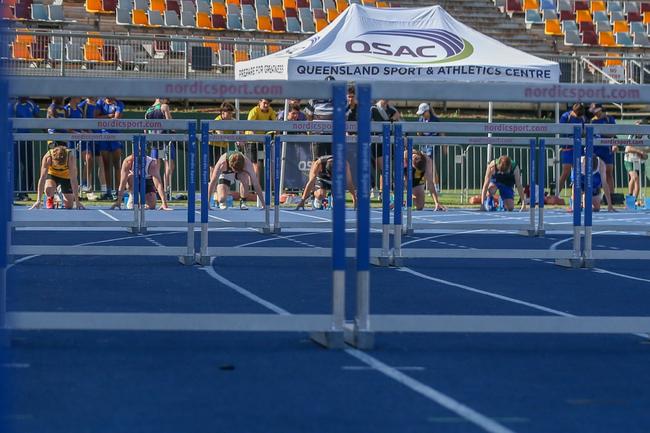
(251, 90)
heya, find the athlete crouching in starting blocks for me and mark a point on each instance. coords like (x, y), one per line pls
(320, 181)
(153, 184)
(502, 174)
(230, 167)
(58, 173)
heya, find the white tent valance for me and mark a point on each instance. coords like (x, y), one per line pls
(423, 44)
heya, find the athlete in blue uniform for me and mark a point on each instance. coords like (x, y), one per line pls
(111, 151)
(597, 183)
(503, 175)
(606, 153)
(576, 116)
(165, 151)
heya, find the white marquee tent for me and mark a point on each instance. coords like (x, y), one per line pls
(371, 44)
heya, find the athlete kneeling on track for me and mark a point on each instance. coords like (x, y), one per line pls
(502, 174)
(599, 169)
(320, 181)
(153, 184)
(423, 172)
(58, 172)
(230, 167)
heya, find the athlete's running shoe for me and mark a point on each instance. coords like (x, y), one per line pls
(49, 203)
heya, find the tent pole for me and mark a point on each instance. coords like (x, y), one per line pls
(557, 165)
(489, 147)
(283, 156)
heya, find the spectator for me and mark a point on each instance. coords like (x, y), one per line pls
(320, 109)
(351, 109)
(576, 116)
(56, 110)
(90, 149)
(163, 151)
(605, 153)
(382, 111)
(633, 160)
(291, 103)
(262, 111)
(73, 111)
(426, 115)
(24, 108)
(111, 151)
(502, 174)
(226, 112)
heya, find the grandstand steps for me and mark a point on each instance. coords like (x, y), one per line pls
(483, 16)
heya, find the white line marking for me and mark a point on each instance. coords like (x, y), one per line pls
(422, 389)
(439, 236)
(306, 215)
(483, 292)
(273, 239)
(214, 217)
(369, 368)
(629, 277)
(103, 212)
(15, 365)
(443, 400)
(156, 243)
(239, 289)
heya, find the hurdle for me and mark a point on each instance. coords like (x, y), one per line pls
(332, 323)
(137, 225)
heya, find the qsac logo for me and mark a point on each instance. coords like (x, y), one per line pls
(302, 46)
(411, 46)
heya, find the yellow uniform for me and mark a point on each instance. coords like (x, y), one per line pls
(62, 171)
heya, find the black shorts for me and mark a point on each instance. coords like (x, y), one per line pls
(227, 178)
(149, 187)
(323, 184)
(252, 150)
(66, 186)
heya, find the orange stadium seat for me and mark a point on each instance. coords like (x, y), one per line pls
(277, 12)
(646, 17)
(93, 53)
(583, 15)
(342, 5)
(597, 5)
(614, 60)
(25, 39)
(381, 4)
(621, 27)
(552, 28)
(332, 14)
(272, 48)
(158, 5)
(369, 2)
(21, 51)
(531, 4)
(606, 39)
(218, 9)
(264, 23)
(234, 2)
(241, 56)
(203, 20)
(139, 17)
(289, 4)
(94, 6)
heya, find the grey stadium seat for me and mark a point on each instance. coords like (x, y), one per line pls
(171, 19)
(123, 17)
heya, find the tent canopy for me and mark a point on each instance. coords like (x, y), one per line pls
(424, 44)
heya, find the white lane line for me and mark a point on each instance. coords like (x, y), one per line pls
(436, 396)
(15, 365)
(369, 368)
(156, 243)
(443, 400)
(486, 293)
(303, 214)
(24, 259)
(439, 236)
(276, 237)
(239, 289)
(103, 212)
(214, 217)
(629, 277)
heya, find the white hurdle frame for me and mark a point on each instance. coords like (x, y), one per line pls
(208, 89)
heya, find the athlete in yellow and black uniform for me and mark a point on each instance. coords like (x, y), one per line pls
(423, 174)
(58, 171)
